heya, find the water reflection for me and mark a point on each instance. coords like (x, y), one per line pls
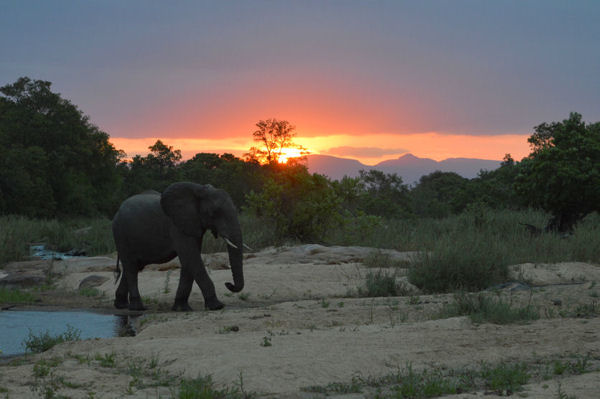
(124, 327)
(15, 326)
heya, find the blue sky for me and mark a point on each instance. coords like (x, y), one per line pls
(348, 74)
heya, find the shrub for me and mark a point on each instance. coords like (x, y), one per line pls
(484, 308)
(380, 283)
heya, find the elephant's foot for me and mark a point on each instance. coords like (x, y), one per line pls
(121, 303)
(136, 304)
(213, 303)
(181, 306)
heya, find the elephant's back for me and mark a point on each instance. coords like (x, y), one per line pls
(139, 211)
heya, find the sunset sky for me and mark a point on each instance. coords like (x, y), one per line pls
(368, 80)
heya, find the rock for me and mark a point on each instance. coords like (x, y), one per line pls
(22, 279)
(92, 281)
(25, 274)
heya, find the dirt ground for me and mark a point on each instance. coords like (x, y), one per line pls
(300, 323)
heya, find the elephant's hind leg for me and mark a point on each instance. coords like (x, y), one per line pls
(130, 273)
(122, 294)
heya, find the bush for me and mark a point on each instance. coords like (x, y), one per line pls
(471, 263)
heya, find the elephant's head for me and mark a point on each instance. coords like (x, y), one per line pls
(195, 208)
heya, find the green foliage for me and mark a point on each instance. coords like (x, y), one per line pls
(44, 341)
(54, 161)
(562, 173)
(8, 295)
(298, 205)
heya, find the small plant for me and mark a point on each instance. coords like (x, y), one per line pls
(588, 310)
(42, 367)
(563, 395)
(44, 341)
(324, 303)
(107, 360)
(266, 342)
(244, 296)
(413, 300)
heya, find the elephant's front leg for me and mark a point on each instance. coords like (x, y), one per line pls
(186, 281)
(192, 269)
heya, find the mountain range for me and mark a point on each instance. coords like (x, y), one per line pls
(408, 166)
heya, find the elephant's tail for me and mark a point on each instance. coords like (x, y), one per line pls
(117, 272)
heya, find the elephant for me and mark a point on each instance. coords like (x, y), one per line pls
(154, 228)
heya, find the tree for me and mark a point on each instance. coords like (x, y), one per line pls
(440, 194)
(275, 136)
(384, 194)
(53, 160)
(224, 171)
(155, 171)
(495, 188)
(298, 204)
(562, 173)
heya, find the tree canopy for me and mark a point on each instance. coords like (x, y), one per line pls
(53, 160)
(562, 173)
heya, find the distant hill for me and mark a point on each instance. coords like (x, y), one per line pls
(410, 167)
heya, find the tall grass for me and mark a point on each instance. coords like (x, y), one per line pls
(473, 250)
(17, 233)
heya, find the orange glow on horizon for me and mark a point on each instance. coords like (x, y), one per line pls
(390, 146)
(288, 153)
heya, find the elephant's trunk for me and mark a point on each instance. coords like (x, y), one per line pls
(236, 261)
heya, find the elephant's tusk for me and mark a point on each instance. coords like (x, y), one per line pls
(248, 248)
(230, 243)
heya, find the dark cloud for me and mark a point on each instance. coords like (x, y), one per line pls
(366, 152)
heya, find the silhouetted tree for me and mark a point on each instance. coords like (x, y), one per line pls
(274, 136)
(53, 160)
(562, 173)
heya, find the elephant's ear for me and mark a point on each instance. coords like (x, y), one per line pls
(189, 206)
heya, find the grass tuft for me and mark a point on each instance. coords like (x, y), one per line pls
(44, 341)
